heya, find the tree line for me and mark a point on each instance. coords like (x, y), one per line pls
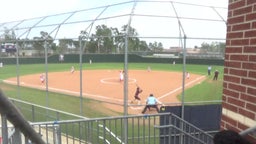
(104, 40)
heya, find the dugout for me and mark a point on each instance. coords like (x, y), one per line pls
(205, 117)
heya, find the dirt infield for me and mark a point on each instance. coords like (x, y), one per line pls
(105, 85)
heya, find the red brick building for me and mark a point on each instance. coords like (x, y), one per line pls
(239, 92)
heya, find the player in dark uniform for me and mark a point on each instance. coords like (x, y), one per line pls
(136, 95)
(216, 74)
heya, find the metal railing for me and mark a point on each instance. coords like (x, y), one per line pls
(10, 113)
(35, 113)
(250, 131)
(162, 128)
(178, 131)
(64, 128)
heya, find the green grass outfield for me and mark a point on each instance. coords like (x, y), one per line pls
(208, 90)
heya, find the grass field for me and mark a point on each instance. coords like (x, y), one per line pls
(208, 90)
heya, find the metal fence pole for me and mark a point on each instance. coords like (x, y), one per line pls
(81, 74)
(17, 136)
(46, 74)
(4, 129)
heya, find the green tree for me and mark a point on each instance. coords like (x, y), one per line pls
(222, 47)
(91, 45)
(9, 36)
(156, 46)
(214, 47)
(133, 41)
(112, 40)
(64, 45)
(205, 47)
(143, 46)
(24, 43)
(117, 39)
(104, 39)
(39, 43)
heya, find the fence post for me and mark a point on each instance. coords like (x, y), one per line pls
(4, 129)
(17, 136)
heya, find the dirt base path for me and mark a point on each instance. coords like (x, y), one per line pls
(105, 85)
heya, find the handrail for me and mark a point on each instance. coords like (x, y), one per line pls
(8, 109)
(248, 131)
(182, 131)
(187, 133)
(47, 108)
(95, 119)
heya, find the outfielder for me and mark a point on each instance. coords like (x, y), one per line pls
(121, 76)
(72, 70)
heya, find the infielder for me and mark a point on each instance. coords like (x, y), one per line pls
(42, 78)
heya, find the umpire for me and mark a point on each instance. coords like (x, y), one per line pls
(151, 103)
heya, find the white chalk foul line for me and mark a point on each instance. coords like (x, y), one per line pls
(86, 94)
(66, 91)
(179, 88)
(135, 108)
(104, 97)
(173, 91)
(106, 80)
(73, 92)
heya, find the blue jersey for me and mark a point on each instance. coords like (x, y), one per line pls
(151, 100)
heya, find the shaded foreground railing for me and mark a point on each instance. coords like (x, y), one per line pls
(142, 129)
(35, 113)
(177, 131)
(11, 113)
(64, 128)
(162, 128)
(249, 132)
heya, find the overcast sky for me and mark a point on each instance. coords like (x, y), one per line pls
(12, 10)
(21, 9)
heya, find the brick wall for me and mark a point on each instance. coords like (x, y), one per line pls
(239, 93)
